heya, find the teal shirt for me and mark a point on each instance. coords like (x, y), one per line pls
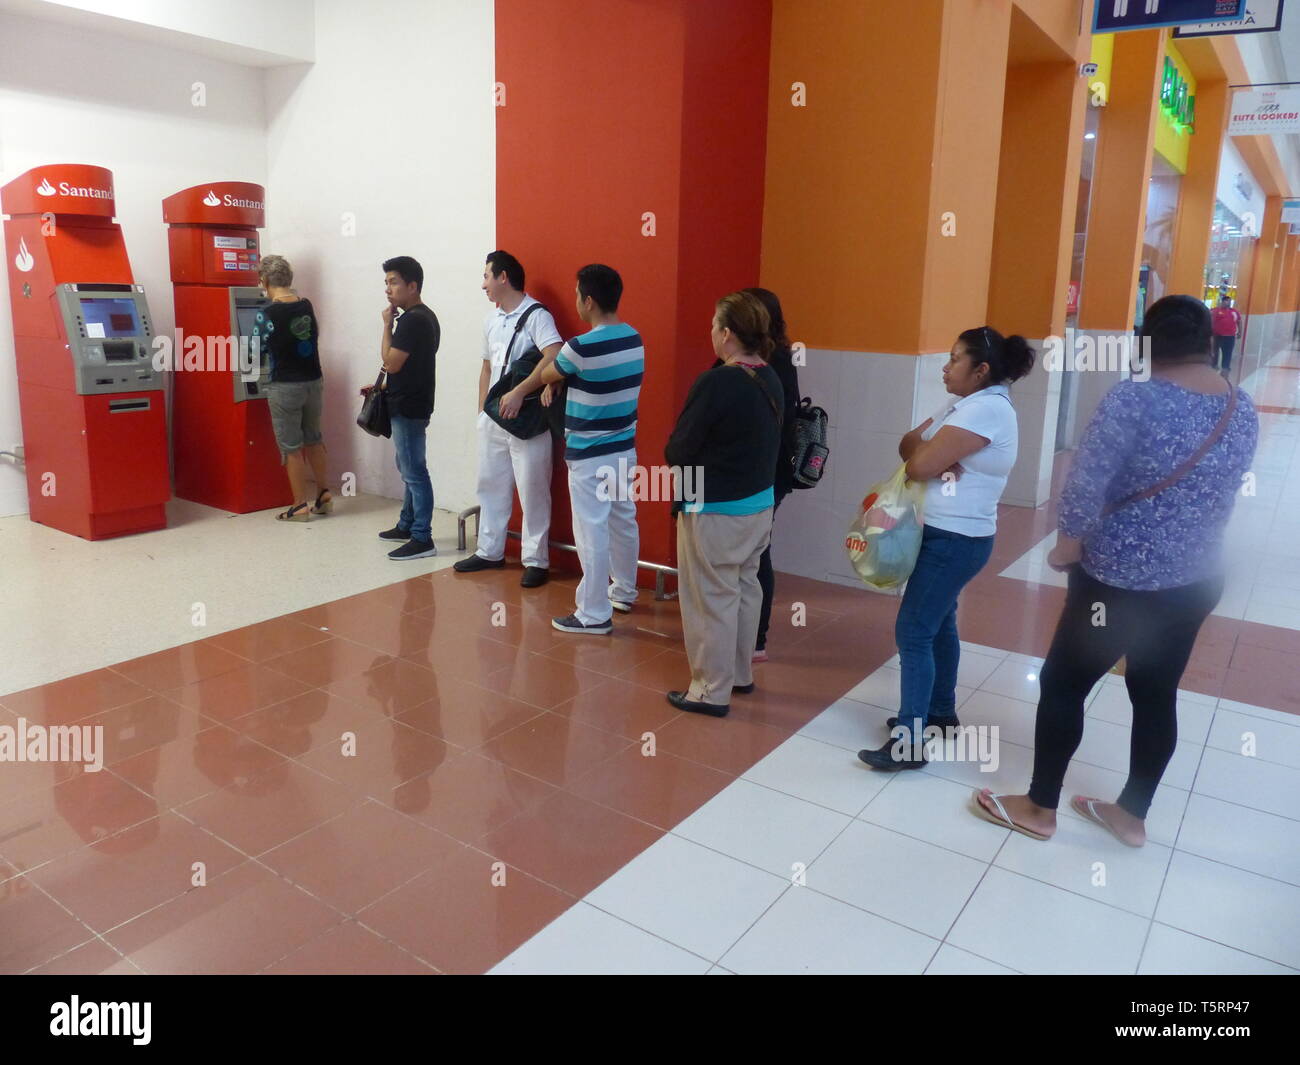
(755, 504)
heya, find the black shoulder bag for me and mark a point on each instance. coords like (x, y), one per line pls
(533, 419)
(374, 417)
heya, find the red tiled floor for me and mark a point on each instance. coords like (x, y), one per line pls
(49, 823)
(178, 666)
(469, 795)
(323, 663)
(1258, 689)
(230, 695)
(120, 877)
(731, 745)
(542, 682)
(667, 671)
(570, 842)
(270, 808)
(193, 933)
(620, 706)
(349, 948)
(35, 927)
(305, 722)
(184, 770)
(95, 958)
(661, 789)
(380, 759)
(137, 727)
(466, 714)
(554, 748)
(390, 688)
(465, 657)
(357, 858)
(76, 697)
(269, 639)
(455, 918)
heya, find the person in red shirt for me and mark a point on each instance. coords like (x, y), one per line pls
(1226, 322)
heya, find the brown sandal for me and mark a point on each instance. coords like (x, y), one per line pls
(326, 507)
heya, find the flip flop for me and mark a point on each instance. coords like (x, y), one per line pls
(1001, 819)
(1087, 809)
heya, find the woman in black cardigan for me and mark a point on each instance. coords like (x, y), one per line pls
(729, 434)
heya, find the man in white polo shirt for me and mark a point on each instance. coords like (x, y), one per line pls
(505, 462)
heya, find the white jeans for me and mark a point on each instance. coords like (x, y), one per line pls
(604, 532)
(504, 462)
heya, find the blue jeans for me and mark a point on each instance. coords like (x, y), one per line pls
(417, 502)
(926, 628)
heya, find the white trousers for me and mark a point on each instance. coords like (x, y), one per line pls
(504, 463)
(604, 532)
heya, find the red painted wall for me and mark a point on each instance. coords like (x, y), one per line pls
(615, 108)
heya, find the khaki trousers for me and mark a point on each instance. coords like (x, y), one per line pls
(717, 563)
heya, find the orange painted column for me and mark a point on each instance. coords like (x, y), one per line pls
(1034, 231)
(1261, 292)
(1117, 217)
(633, 134)
(882, 169)
(1199, 189)
(1288, 297)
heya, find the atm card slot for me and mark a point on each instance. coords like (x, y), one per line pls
(123, 406)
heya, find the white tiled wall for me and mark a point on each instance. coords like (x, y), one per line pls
(872, 400)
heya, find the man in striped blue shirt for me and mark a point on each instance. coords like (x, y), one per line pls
(603, 370)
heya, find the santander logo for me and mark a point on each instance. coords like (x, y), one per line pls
(45, 188)
(23, 260)
(211, 200)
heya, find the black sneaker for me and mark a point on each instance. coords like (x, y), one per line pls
(534, 577)
(395, 533)
(572, 624)
(679, 700)
(414, 549)
(886, 759)
(477, 562)
(937, 722)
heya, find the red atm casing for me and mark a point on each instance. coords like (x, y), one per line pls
(224, 451)
(96, 464)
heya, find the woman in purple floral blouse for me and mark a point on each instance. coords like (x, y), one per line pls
(1145, 568)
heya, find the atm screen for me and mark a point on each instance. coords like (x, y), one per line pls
(247, 316)
(110, 318)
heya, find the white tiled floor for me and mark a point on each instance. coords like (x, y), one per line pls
(812, 863)
(163, 574)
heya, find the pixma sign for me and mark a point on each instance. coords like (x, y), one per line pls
(1111, 15)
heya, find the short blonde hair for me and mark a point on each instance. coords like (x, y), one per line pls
(275, 270)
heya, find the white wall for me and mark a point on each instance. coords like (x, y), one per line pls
(394, 125)
(68, 96)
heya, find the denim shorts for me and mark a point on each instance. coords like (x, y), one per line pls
(295, 413)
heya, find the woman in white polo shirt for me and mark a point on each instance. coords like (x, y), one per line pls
(964, 454)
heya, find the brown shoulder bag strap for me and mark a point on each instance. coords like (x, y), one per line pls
(1187, 466)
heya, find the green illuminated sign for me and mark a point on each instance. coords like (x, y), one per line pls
(1178, 104)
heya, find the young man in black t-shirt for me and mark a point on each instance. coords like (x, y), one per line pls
(408, 349)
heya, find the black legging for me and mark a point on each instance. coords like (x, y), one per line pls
(766, 581)
(1155, 632)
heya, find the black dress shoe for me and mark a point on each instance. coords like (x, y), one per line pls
(477, 562)
(886, 758)
(534, 577)
(743, 689)
(679, 700)
(937, 722)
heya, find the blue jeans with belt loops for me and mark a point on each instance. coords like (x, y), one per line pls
(926, 627)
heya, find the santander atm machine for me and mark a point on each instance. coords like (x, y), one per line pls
(222, 442)
(93, 407)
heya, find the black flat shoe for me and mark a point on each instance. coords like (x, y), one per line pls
(743, 689)
(534, 577)
(937, 722)
(477, 562)
(679, 700)
(886, 760)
